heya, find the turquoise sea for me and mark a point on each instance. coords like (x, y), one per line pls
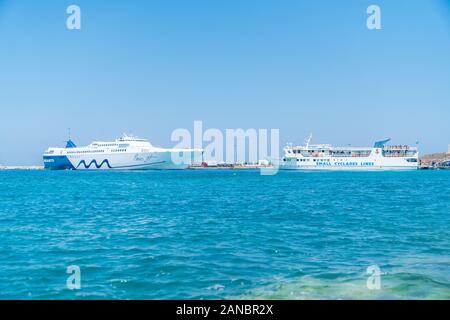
(224, 234)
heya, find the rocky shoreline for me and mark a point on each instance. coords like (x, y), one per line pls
(435, 161)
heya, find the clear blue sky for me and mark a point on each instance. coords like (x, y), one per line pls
(149, 67)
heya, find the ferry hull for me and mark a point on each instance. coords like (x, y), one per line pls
(375, 163)
(167, 160)
(380, 168)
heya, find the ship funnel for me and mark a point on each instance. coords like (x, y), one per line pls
(70, 144)
(381, 143)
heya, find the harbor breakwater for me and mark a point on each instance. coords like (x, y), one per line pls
(21, 168)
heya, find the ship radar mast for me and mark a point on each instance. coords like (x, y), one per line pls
(308, 140)
(69, 142)
(130, 137)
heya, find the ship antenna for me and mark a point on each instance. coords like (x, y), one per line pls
(70, 136)
(308, 140)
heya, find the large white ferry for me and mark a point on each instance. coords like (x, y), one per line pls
(125, 153)
(327, 157)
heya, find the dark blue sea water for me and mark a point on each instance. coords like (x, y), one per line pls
(224, 234)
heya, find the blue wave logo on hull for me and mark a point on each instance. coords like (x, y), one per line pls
(94, 162)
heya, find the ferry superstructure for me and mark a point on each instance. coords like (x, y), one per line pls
(125, 153)
(327, 157)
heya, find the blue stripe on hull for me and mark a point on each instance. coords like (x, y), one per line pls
(63, 163)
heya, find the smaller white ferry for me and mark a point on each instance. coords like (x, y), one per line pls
(125, 153)
(327, 157)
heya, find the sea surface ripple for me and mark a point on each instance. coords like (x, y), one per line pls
(224, 234)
